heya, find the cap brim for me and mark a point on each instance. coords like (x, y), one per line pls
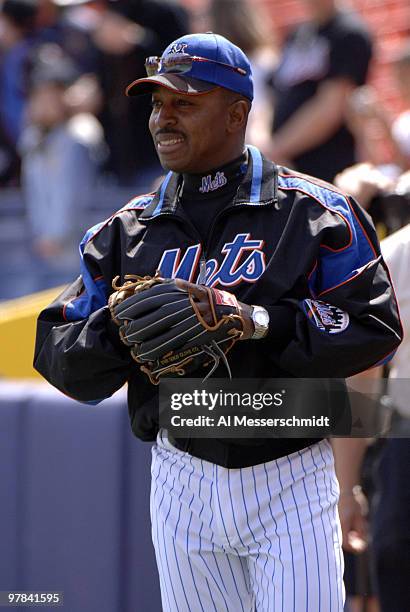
(172, 81)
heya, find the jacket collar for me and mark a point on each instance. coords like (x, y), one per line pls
(258, 188)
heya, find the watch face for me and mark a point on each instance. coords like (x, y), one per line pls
(262, 318)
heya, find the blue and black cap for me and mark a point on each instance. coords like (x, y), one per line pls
(195, 64)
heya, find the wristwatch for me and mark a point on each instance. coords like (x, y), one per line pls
(260, 318)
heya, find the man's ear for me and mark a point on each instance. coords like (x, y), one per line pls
(238, 115)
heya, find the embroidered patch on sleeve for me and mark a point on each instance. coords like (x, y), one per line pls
(326, 317)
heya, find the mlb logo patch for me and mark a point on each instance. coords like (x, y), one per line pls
(326, 317)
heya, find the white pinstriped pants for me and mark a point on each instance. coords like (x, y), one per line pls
(265, 537)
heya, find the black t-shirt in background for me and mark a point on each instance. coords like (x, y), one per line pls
(312, 55)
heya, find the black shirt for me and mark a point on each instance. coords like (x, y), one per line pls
(203, 196)
(312, 55)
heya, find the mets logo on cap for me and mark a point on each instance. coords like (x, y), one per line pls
(326, 317)
(177, 48)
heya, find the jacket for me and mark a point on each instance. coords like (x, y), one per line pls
(305, 251)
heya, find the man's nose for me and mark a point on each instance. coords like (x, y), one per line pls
(165, 116)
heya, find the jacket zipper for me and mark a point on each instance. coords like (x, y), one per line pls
(202, 262)
(206, 243)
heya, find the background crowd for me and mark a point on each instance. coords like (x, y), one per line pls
(332, 99)
(73, 148)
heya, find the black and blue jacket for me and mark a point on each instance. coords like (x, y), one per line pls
(288, 242)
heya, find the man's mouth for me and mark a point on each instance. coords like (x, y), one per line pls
(169, 142)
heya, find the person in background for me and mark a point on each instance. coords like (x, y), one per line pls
(25, 26)
(17, 39)
(390, 524)
(354, 459)
(323, 60)
(401, 125)
(391, 501)
(386, 199)
(369, 119)
(128, 32)
(69, 24)
(247, 26)
(382, 182)
(60, 157)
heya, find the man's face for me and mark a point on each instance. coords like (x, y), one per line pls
(190, 132)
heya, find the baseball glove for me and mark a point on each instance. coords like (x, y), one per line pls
(174, 327)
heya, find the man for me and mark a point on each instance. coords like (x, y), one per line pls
(391, 505)
(390, 524)
(235, 523)
(17, 42)
(59, 152)
(128, 31)
(322, 62)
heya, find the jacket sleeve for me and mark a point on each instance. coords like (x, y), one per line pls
(78, 349)
(350, 322)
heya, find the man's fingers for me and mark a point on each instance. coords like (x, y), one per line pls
(353, 523)
(205, 312)
(355, 543)
(198, 291)
(361, 526)
(200, 295)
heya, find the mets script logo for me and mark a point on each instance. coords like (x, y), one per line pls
(177, 48)
(243, 261)
(210, 185)
(326, 317)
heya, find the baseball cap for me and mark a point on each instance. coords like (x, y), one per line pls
(195, 64)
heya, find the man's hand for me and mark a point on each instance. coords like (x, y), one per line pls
(201, 297)
(317, 120)
(174, 327)
(353, 509)
(349, 453)
(363, 182)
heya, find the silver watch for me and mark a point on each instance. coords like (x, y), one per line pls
(260, 318)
